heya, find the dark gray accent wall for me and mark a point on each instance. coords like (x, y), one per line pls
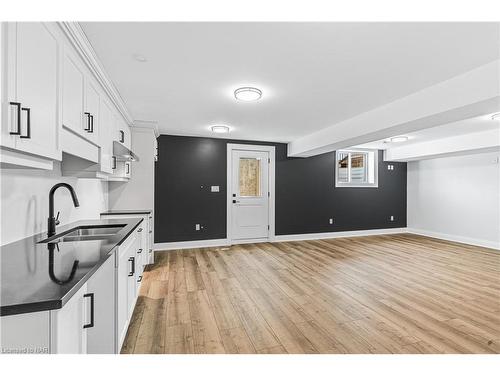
(306, 196)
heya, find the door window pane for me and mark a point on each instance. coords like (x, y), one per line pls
(358, 167)
(249, 180)
(343, 167)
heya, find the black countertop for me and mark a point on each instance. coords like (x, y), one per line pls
(126, 212)
(28, 281)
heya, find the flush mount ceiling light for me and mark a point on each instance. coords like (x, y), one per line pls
(398, 139)
(248, 94)
(139, 58)
(496, 116)
(220, 129)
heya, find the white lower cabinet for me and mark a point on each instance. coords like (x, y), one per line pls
(94, 320)
(67, 325)
(101, 337)
(86, 323)
(126, 286)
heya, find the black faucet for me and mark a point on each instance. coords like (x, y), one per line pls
(53, 221)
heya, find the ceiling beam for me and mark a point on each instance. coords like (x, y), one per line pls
(474, 93)
(470, 143)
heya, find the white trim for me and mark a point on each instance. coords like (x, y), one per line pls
(326, 235)
(80, 42)
(374, 184)
(450, 237)
(272, 176)
(190, 244)
(282, 238)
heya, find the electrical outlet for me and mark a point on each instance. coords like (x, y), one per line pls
(331, 220)
(197, 227)
(392, 218)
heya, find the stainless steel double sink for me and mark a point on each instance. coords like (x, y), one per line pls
(86, 233)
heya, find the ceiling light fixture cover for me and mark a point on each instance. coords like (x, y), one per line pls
(247, 94)
(220, 129)
(399, 139)
(139, 58)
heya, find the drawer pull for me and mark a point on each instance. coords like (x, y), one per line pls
(28, 123)
(18, 131)
(132, 259)
(91, 324)
(87, 128)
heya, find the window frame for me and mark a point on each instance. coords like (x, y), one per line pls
(373, 184)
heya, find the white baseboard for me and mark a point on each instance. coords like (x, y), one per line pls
(283, 238)
(191, 244)
(326, 235)
(450, 237)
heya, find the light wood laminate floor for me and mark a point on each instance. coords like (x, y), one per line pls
(379, 294)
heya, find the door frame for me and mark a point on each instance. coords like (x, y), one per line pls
(271, 180)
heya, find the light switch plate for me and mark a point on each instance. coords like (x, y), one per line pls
(214, 189)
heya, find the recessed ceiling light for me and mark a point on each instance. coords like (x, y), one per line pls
(496, 116)
(398, 139)
(140, 58)
(220, 129)
(248, 94)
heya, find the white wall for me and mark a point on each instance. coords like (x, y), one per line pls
(25, 201)
(456, 198)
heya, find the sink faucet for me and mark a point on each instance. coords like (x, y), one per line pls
(52, 221)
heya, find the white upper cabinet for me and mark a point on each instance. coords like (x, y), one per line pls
(91, 111)
(106, 130)
(123, 132)
(72, 92)
(53, 102)
(80, 100)
(31, 97)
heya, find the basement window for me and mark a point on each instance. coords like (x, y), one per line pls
(356, 168)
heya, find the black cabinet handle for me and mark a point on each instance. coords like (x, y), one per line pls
(139, 230)
(18, 131)
(122, 136)
(28, 123)
(91, 324)
(139, 251)
(132, 259)
(128, 168)
(87, 128)
(91, 124)
(114, 162)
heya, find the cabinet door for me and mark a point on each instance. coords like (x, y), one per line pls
(124, 269)
(150, 241)
(36, 54)
(67, 324)
(92, 108)
(72, 98)
(106, 125)
(9, 89)
(132, 282)
(101, 337)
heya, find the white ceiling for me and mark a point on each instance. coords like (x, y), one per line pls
(472, 125)
(312, 75)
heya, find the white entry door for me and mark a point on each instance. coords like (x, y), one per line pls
(250, 194)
